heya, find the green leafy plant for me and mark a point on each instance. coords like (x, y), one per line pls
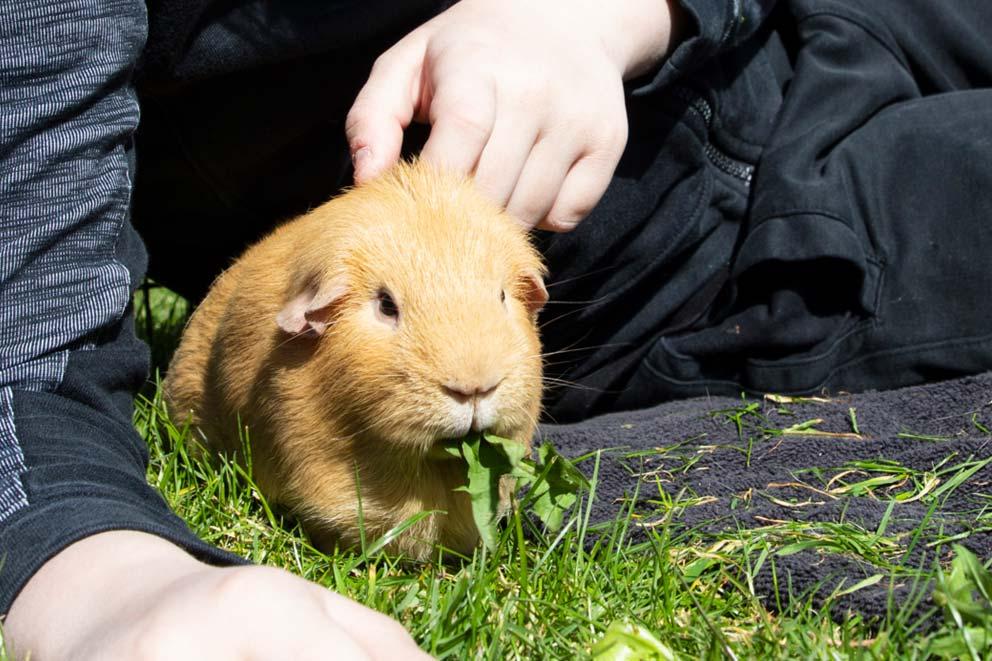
(965, 594)
(554, 482)
(624, 641)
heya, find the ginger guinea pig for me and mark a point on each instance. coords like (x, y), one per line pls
(353, 340)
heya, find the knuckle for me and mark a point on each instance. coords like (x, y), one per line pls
(598, 166)
(521, 89)
(355, 119)
(609, 135)
(383, 63)
(389, 632)
(529, 210)
(599, 133)
(469, 119)
(239, 585)
(473, 113)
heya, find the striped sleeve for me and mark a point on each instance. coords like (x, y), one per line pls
(71, 463)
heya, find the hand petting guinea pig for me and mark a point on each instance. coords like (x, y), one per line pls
(354, 340)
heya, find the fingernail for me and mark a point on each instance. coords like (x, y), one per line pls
(361, 159)
(560, 226)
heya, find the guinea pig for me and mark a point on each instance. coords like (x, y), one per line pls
(354, 340)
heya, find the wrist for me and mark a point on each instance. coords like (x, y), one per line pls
(642, 34)
(117, 571)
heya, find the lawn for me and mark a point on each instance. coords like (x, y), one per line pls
(584, 591)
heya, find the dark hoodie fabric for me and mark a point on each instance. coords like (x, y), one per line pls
(807, 212)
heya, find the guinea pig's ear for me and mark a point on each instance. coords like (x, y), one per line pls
(310, 310)
(535, 293)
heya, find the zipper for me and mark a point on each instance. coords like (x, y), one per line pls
(731, 166)
(725, 163)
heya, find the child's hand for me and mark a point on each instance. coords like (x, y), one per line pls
(129, 595)
(528, 96)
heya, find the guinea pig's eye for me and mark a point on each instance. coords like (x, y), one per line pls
(502, 296)
(387, 306)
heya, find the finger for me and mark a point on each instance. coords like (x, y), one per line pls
(383, 636)
(505, 155)
(306, 637)
(581, 191)
(462, 114)
(541, 179)
(298, 624)
(385, 107)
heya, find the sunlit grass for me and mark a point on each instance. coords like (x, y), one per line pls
(554, 595)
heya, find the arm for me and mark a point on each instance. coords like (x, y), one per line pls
(158, 602)
(69, 361)
(93, 561)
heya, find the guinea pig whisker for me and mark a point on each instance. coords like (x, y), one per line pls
(576, 345)
(591, 347)
(531, 418)
(560, 382)
(565, 315)
(587, 274)
(548, 354)
(589, 302)
(554, 363)
(571, 384)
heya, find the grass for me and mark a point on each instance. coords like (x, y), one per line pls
(552, 596)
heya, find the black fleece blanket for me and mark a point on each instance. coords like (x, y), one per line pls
(737, 465)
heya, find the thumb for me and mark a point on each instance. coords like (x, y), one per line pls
(384, 107)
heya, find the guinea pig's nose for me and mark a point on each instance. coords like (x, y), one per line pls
(465, 391)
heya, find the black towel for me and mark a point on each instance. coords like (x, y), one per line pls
(941, 430)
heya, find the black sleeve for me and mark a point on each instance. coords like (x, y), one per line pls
(709, 28)
(71, 462)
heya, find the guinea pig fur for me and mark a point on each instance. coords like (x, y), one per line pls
(352, 340)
